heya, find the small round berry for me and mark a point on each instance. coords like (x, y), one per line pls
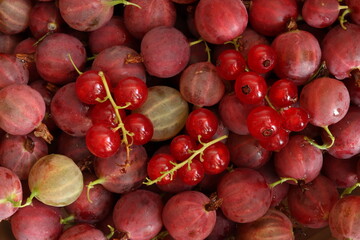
(250, 88)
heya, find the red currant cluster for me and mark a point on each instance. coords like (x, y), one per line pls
(192, 155)
(277, 114)
(108, 113)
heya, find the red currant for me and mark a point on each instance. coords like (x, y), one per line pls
(295, 118)
(283, 93)
(250, 88)
(104, 113)
(131, 90)
(261, 58)
(192, 174)
(276, 142)
(158, 164)
(102, 141)
(230, 64)
(264, 122)
(216, 158)
(181, 146)
(141, 127)
(89, 87)
(202, 122)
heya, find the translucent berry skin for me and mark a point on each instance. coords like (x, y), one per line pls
(140, 126)
(216, 158)
(264, 122)
(202, 122)
(181, 146)
(102, 141)
(192, 174)
(283, 93)
(89, 87)
(295, 119)
(250, 88)
(131, 90)
(230, 64)
(161, 163)
(276, 142)
(261, 58)
(105, 113)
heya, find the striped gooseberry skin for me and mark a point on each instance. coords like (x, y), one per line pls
(298, 55)
(274, 225)
(167, 110)
(56, 180)
(201, 85)
(87, 15)
(53, 61)
(12, 70)
(10, 188)
(21, 109)
(344, 218)
(14, 16)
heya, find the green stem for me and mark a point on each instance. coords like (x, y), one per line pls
(125, 133)
(342, 18)
(112, 232)
(177, 166)
(196, 42)
(208, 50)
(28, 202)
(124, 2)
(269, 103)
(325, 146)
(65, 221)
(282, 180)
(349, 190)
(91, 186)
(235, 42)
(72, 62)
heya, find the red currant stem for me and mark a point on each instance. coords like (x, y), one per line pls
(123, 107)
(235, 42)
(269, 103)
(91, 58)
(126, 3)
(342, 19)
(325, 145)
(102, 100)
(177, 166)
(196, 42)
(91, 186)
(125, 133)
(67, 220)
(342, 7)
(112, 232)
(282, 180)
(161, 235)
(349, 190)
(72, 62)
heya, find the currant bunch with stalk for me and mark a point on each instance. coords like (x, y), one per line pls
(103, 138)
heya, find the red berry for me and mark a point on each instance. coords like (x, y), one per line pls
(261, 58)
(89, 87)
(131, 90)
(276, 142)
(192, 174)
(264, 122)
(181, 146)
(283, 93)
(295, 118)
(202, 122)
(250, 88)
(216, 158)
(230, 64)
(102, 141)
(158, 164)
(140, 126)
(105, 113)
